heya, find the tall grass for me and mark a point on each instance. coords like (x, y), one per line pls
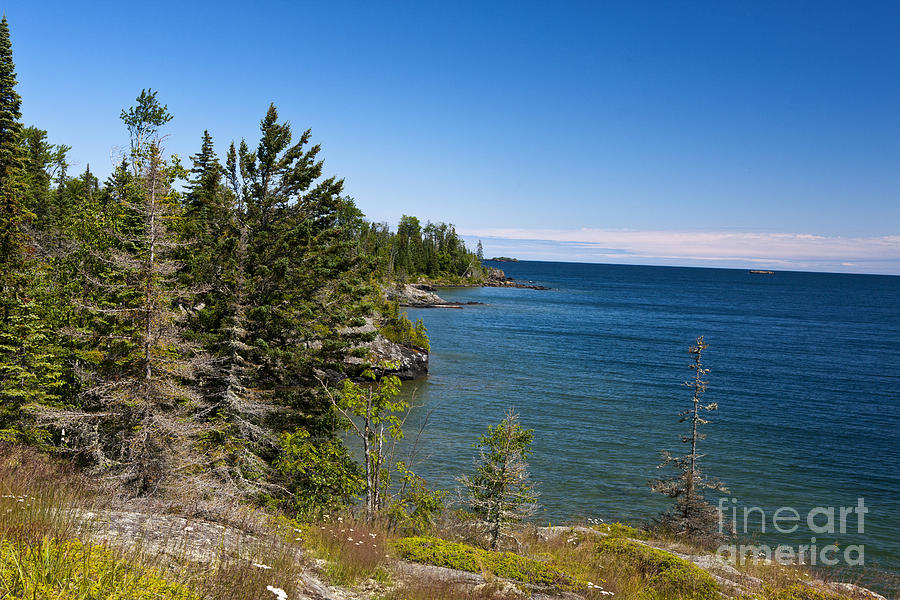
(354, 550)
(50, 546)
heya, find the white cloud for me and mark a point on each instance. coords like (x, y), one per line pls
(799, 251)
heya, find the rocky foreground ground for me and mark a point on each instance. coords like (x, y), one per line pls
(199, 541)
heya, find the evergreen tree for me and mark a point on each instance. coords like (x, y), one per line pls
(132, 417)
(13, 214)
(44, 163)
(215, 259)
(305, 281)
(692, 516)
(30, 371)
(501, 492)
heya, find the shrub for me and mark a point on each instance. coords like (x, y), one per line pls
(415, 506)
(665, 574)
(453, 555)
(397, 327)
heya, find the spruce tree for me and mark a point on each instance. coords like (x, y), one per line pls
(501, 492)
(214, 263)
(305, 285)
(132, 417)
(692, 516)
(30, 369)
(13, 214)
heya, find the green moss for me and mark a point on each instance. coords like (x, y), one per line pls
(453, 555)
(621, 530)
(69, 570)
(666, 575)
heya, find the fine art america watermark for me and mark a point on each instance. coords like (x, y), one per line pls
(822, 522)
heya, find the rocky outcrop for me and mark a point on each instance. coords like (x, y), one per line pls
(416, 295)
(411, 363)
(422, 295)
(497, 278)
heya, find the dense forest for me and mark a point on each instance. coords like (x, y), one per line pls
(171, 327)
(433, 250)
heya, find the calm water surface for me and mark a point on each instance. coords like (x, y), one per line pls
(805, 368)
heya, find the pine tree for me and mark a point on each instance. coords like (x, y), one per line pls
(692, 516)
(501, 492)
(304, 280)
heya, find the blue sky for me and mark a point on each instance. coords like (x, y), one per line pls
(722, 134)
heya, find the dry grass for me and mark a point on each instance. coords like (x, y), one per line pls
(51, 545)
(354, 550)
(46, 537)
(432, 588)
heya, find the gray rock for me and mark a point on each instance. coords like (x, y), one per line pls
(411, 363)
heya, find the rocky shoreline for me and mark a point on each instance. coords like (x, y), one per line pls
(423, 295)
(497, 278)
(412, 363)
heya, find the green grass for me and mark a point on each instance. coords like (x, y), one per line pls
(47, 552)
(70, 570)
(453, 555)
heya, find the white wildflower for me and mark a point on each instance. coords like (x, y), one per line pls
(279, 593)
(261, 566)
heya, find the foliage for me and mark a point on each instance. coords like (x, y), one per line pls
(453, 555)
(374, 416)
(70, 570)
(501, 492)
(13, 214)
(415, 506)
(320, 476)
(130, 415)
(692, 516)
(665, 575)
(434, 250)
(397, 327)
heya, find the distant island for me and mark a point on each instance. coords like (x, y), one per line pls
(759, 272)
(504, 259)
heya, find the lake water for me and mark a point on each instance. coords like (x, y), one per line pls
(805, 368)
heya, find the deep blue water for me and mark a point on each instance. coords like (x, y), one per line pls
(805, 368)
